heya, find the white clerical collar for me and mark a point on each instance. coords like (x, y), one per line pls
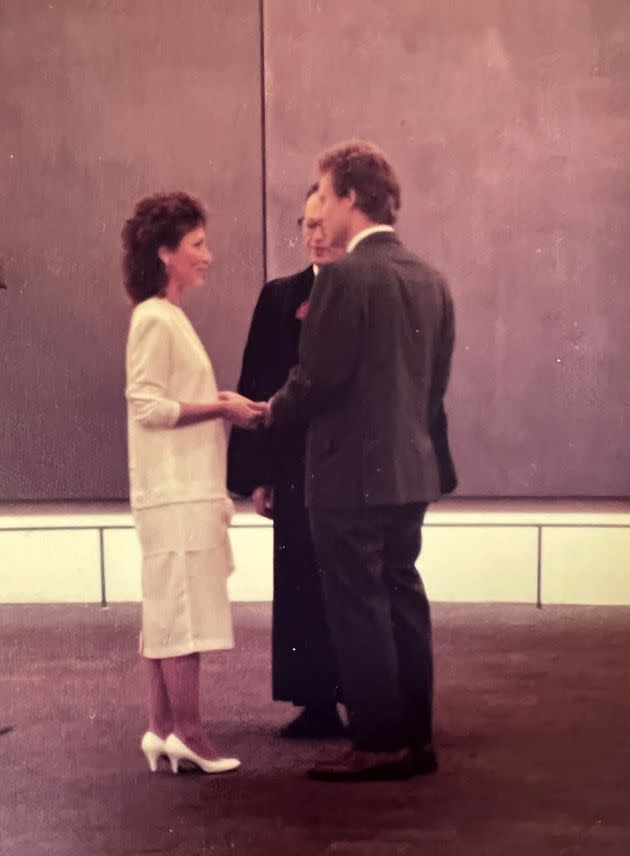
(315, 269)
(371, 230)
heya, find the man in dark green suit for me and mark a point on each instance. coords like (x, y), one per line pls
(374, 362)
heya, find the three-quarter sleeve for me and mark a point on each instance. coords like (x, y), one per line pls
(148, 372)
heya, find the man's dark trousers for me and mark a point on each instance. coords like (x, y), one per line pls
(379, 619)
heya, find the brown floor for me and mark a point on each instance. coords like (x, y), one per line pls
(532, 721)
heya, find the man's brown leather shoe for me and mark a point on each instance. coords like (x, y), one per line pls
(357, 765)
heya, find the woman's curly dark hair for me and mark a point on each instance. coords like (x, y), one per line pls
(158, 221)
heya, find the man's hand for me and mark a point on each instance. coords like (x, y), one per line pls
(262, 497)
(242, 412)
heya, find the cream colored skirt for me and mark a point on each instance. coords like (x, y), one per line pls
(186, 560)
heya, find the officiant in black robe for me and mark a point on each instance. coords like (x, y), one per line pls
(269, 466)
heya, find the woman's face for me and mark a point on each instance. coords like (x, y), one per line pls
(186, 265)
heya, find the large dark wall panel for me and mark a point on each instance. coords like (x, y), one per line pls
(509, 122)
(102, 102)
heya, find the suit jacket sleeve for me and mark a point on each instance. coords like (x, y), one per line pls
(329, 349)
(443, 356)
(439, 420)
(249, 452)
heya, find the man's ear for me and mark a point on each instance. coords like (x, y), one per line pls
(352, 197)
(164, 255)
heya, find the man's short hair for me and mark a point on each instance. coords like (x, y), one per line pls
(361, 166)
(312, 189)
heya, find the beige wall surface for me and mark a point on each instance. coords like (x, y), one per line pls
(102, 103)
(508, 121)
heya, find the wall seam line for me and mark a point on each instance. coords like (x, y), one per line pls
(263, 135)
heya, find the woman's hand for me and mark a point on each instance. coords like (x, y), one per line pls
(262, 497)
(242, 412)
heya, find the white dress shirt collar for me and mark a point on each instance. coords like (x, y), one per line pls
(315, 269)
(371, 230)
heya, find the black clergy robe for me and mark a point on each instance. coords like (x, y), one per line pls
(303, 663)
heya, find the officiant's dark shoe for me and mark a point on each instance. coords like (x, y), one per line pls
(357, 765)
(424, 761)
(315, 723)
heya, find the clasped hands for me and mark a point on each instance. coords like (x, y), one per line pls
(243, 413)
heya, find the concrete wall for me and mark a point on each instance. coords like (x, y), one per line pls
(508, 121)
(102, 103)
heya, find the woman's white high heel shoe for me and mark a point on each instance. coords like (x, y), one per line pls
(153, 747)
(178, 751)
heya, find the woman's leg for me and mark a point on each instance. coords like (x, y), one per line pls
(182, 681)
(160, 713)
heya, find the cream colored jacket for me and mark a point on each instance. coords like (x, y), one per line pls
(166, 363)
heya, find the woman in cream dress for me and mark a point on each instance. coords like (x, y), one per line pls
(177, 459)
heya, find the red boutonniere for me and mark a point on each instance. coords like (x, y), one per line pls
(302, 311)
